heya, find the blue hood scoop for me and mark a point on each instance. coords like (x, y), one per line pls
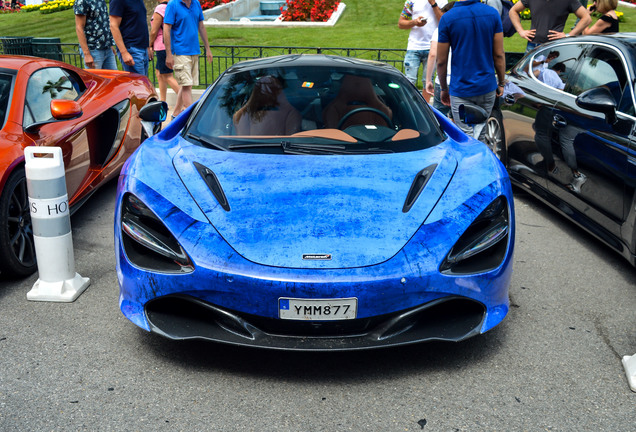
(315, 211)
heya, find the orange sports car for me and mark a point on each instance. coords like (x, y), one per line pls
(91, 115)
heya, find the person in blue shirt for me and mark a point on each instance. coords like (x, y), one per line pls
(182, 26)
(472, 30)
(130, 31)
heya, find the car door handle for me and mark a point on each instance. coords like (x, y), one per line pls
(559, 121)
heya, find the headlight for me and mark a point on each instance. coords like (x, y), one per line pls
(147, 242)
(483, 245)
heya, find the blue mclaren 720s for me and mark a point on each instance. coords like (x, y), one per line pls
(313, 202)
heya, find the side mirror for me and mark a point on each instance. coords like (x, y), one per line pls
(152, 115)
(472, 114)
(61, 109)
(599, 99)
(65, 109)
(156, 111)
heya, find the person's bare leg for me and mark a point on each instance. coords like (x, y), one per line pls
(169, 80)
(163, 88)
(186, 96)
(178, 107)
(174, 85)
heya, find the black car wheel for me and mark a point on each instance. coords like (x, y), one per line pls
(17, 251)
(495, 136)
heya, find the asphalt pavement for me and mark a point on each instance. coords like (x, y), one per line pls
(553, 364)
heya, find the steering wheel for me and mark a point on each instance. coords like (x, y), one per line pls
(373, 110)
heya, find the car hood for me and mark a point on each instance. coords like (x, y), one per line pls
(315, 211)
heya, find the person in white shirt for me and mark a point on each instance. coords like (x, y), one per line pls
(421, 17)
(551, 76)
(541, 62)
(435, 88)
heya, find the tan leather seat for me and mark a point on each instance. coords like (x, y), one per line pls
(355, 92)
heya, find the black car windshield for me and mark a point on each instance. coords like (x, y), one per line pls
(314, 110)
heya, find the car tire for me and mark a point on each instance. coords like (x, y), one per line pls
(17, 250)
(495, 137)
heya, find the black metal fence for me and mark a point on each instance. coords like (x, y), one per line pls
(224, 56)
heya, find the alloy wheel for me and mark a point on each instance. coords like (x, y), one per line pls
(494, 137)
(18, 257)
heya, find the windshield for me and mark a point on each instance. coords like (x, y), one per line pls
(314, 110)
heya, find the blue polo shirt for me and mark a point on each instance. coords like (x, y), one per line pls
(133, 26)
(184, 36)
(469, 28)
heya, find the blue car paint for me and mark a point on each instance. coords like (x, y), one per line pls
(345, 206)
(223, 277)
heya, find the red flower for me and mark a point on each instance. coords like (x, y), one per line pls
(309, 10)
(209, 4)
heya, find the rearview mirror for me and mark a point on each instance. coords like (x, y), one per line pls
(152, 115)
(65, 109)
(61, 109)
(472, 114)
(156, 111)
(599, 99)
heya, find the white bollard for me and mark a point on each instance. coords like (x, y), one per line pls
(629, 363)
(51, 222)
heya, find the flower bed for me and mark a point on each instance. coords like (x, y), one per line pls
(210, 4)
(50, 6)
(309, 10)
(5, 7)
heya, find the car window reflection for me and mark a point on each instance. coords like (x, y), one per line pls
(44, 86)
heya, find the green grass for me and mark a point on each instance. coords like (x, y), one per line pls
(360, 26)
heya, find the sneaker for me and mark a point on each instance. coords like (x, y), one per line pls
(577, 182)
(554, 171)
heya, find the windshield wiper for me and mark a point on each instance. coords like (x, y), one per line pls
(253, 145)
(327, 148)
(333, 149)
(290, 147)
(206, 142)
(309, 148)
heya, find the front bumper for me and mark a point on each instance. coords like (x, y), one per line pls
(182, 317)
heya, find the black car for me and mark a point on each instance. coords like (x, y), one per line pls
(565, 129)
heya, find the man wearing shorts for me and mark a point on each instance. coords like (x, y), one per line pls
(181, 23)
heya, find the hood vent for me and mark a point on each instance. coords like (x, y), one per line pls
(417, 186)
(213, 184)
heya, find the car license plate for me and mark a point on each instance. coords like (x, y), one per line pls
(318, 309)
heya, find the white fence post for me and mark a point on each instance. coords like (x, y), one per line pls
(51, 221)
